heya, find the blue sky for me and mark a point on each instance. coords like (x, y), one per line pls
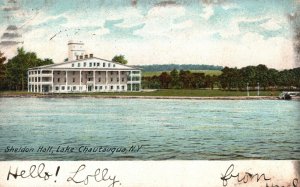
(221, 32)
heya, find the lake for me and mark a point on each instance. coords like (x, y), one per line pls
(163, 129)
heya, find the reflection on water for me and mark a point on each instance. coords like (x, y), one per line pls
(167, 129)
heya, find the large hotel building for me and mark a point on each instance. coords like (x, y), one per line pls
(83, 73)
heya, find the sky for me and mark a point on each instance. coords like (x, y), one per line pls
(234, 33)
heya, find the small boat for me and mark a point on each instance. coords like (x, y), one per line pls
(289, 95)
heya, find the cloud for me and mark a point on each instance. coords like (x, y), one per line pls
(183, 25)
(131, 18)
(271, 25)
(208, 11)
(160, 21)
(213, 1)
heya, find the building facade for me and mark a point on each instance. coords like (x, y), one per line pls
(84, 74)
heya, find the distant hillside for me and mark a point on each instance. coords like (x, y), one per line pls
(170, 67)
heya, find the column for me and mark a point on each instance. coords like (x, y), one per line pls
(140, 79)
(119, 80)
(38, 81)
(106, 79)
(131, 80)
(66, 81)
(41, 85)
(35, 80)
(33, 76)
(80, 81)
(52, 82)
(94, 77)
(28, 72)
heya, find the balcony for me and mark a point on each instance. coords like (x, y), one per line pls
(46, 75)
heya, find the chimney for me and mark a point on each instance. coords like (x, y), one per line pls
(86, 56)
(91, 55)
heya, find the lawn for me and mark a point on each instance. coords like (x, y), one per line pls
(162, 92)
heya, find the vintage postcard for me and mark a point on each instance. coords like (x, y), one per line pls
(149, 93)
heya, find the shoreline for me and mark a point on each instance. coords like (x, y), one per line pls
(139, 97)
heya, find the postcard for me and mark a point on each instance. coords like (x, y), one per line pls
(149, 93)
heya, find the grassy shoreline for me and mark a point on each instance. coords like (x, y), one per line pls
(158, 94)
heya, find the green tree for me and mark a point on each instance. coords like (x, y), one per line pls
(186, 79)
(175, 78)
(165, 80)
(2, 71)
(17, 67)
(262, 75)
(120, 59)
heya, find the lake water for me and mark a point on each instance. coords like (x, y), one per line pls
(166, 129)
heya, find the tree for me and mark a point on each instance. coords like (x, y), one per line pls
(175, 78)
(165, 80)
(185, 78)
(262, 75)
(17, 67)
(2, 72)
(120, 59)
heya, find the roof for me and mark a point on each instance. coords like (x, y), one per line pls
(80, 60)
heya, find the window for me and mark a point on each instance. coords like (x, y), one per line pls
(103, 64)
(122, 79)
(114, 65)
(111, 79)
(111, 73)
(98, 64)
(74, 87)
(68, 88)
(73, 79)
(111, 87)
(84, 64)
(58, 79)
(90, 64)
(96, 87)
(108, 64)
(58, 73)
(72, 65)
(94, 64)
(118, 87)
(122, 72)
(62, 88)
(78, 65)
(123, 87)
(117, 79)
(100, 87)
(56, 88)
(89, 79)
(99, 80)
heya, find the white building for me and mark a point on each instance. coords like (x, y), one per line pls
(83, 73)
